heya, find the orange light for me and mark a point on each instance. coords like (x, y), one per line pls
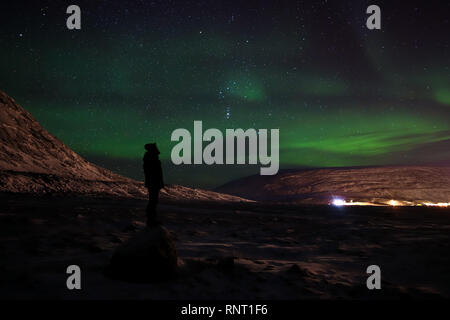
(394, 203)
(438, 204)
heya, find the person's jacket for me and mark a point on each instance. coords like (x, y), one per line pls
(153, 172)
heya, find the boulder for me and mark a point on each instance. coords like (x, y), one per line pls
(148, 256)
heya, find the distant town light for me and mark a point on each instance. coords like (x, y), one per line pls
(439, 204)
(394, 203)
(338, 202)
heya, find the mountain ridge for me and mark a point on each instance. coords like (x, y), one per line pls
(377, 184)
(32, 160)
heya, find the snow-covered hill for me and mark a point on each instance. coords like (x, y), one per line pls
(416, 184)
(34, 161)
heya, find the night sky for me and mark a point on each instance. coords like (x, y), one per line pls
(341, 95)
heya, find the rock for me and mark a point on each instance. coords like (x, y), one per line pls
(296, 269)
(148, 256)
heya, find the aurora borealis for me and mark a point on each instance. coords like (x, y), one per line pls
(340, 94)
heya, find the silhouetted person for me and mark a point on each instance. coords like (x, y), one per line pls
(153, 180)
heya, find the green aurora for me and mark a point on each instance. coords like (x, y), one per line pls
(340, 98)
